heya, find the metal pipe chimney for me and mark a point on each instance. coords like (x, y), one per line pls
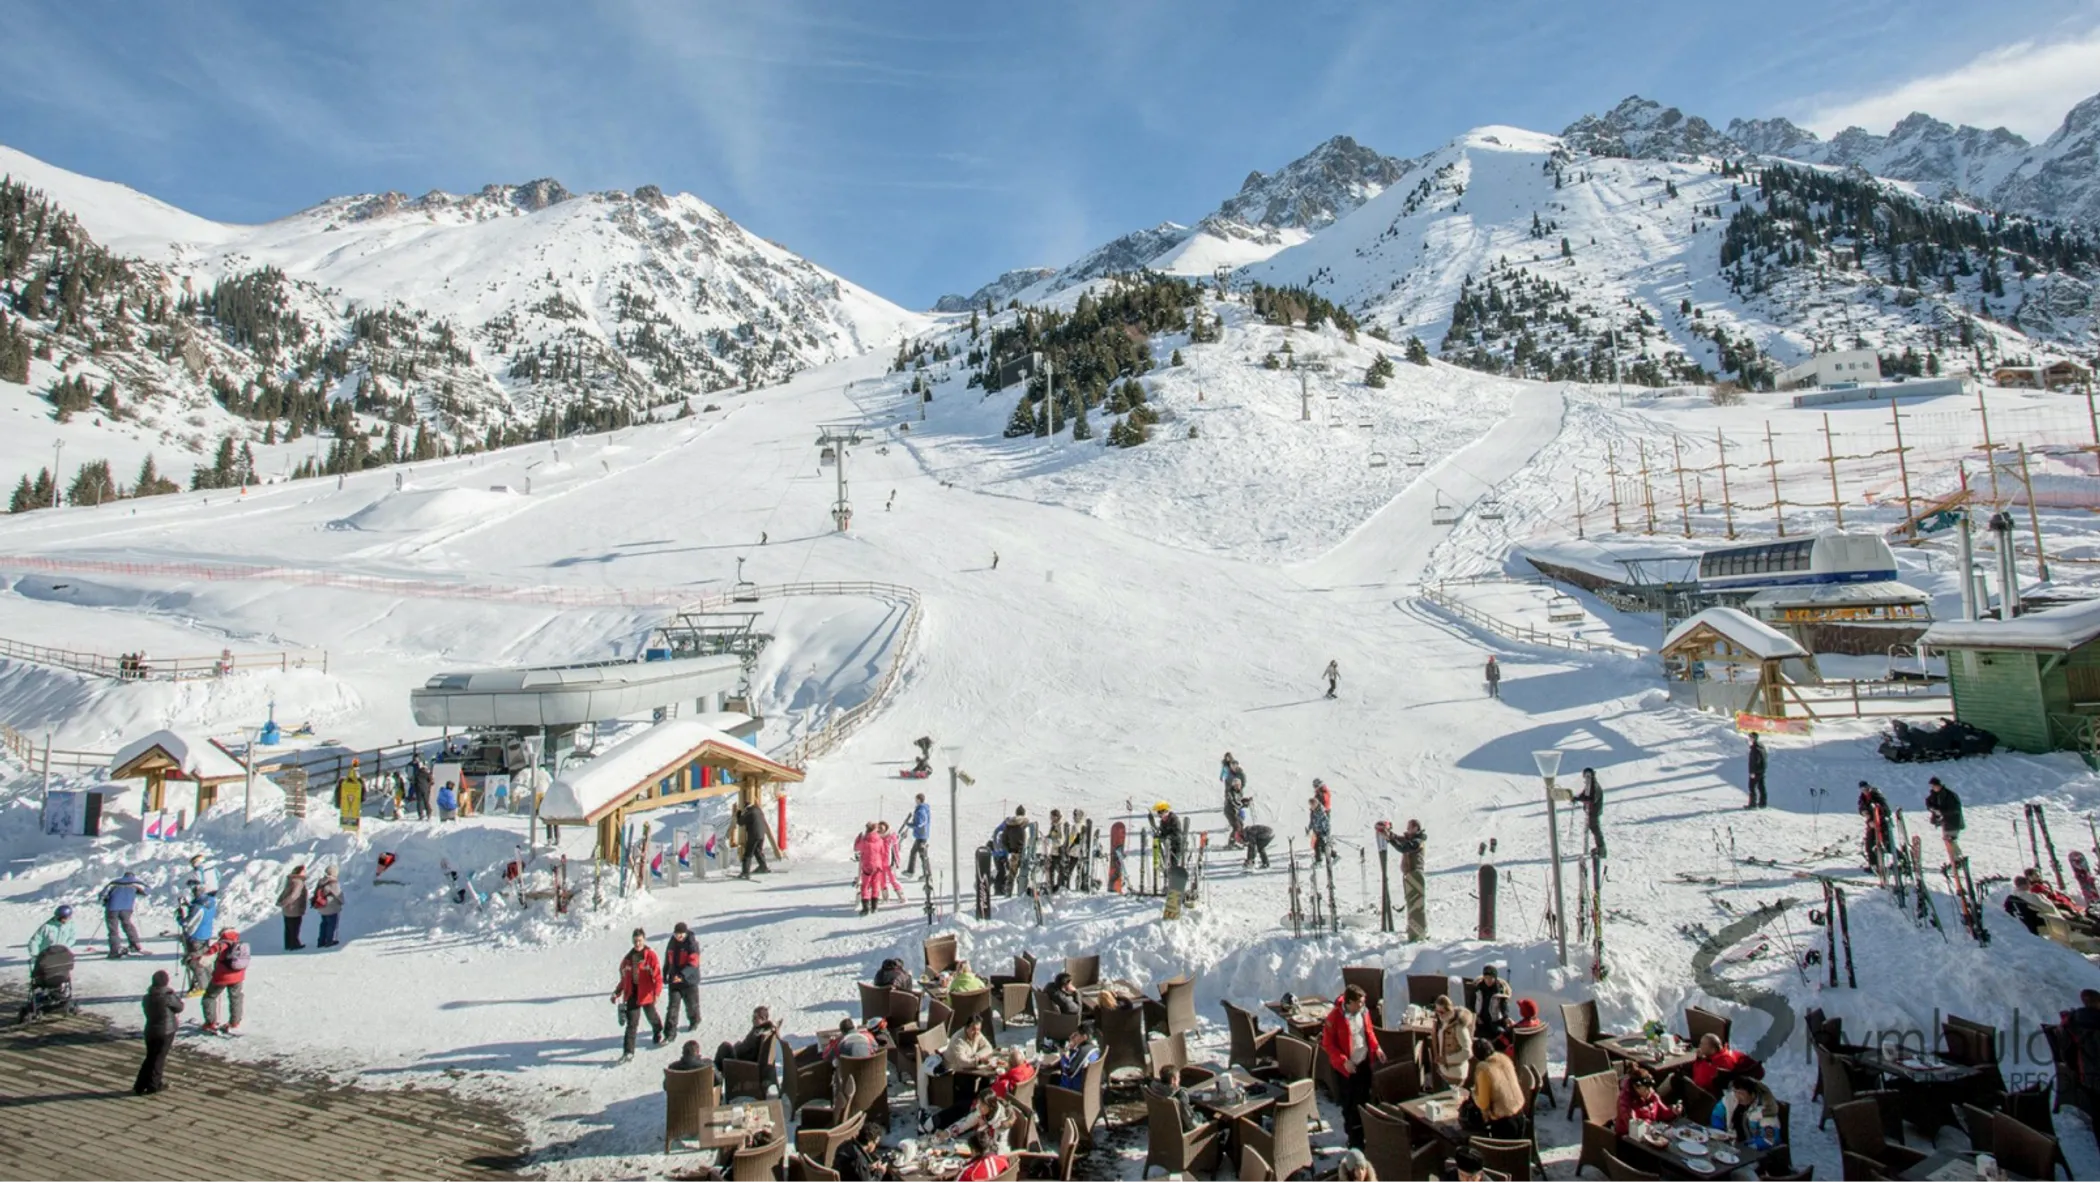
(2008, 574)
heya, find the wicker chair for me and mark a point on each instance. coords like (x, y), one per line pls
(1618, 1171)
(1174, 1049)
(870, 1078)
(1530, 1051)
(1697, 1101)
(968, 1005)
(1085, 970)
(802, 1169)
(805, 1077)
(1423, 990)
(751, 1079)
(874, 1002)
(759, 1163)
(1389, 1141)
(1288, 1144)
(1122, 1038)
(940, 954)
(689, 1095)
(1057, 1165)
(1253, 1166)
(1510, 1158)
(1700, 1023)
(1839, 1088)
(1053, 1027)
(2024, 1151)
(1252, 1047)
(1372, 978)
(1175, 1011)
(1294, 1058)
(1079, 1106)
(1599, 1139)
(1400, 1046)
(819, 1145)
(1170, 1148)
(1860, 1131)
(1588, 1059)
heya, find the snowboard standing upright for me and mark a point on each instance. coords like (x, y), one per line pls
(984, 882)
(1297, 912)
(1117, 834)
(1177, 888)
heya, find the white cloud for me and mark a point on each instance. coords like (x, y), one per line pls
(2026, 86)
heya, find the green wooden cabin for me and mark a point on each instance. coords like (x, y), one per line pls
(2033, 681)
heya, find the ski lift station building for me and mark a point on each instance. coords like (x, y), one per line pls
(560, 698)
(2033, 681)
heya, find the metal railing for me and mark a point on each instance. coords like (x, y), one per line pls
(1526, 632)
(840, 726)
(152, 668)
(1870, 699)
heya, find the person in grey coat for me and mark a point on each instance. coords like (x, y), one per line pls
(291, 901)
(163, 1007)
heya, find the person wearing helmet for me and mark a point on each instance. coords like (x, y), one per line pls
(229, 972)
(198, 917)
(350, 798)
(1171, 834)
(56, 932)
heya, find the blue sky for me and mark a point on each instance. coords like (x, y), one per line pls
(922, 148)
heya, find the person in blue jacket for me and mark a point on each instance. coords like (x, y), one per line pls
(921, 829)
(198, 918)
(448, 802)
(119, 898)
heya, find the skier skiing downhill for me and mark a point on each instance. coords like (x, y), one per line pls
(1945, 809)
(1757, 773)
(1879, 838)
(1333, 674)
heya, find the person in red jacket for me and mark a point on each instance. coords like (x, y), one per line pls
(986, 1162)
(1717, 1063)
(641, 983)
(229, 969)
(1638, 1100)
(1352, 1050)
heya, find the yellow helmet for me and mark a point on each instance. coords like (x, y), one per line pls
(1162, 807)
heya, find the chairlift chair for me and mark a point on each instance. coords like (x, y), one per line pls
(1366, 424)
(827, 457)
(1490, 509)
(1415, 460)
(1378, 459)
(1563, 608)
(1441, 513)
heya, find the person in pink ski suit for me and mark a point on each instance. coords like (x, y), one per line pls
(873, 854)
(890, 837)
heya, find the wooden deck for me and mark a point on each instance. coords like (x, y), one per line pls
(66, 1111)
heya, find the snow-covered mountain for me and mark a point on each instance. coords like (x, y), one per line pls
(513, 310)
(1271, 212)
(997, 292)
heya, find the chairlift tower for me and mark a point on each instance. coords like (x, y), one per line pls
(834, 440)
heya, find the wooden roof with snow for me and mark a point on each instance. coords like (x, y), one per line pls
(1726, 627)
(178, 755)
(636, 765)
(2058, 630)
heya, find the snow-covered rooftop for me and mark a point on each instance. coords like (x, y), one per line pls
(1751, 635)
(197, 757)
(1839, 594)
(581, 793)
(2058, 630)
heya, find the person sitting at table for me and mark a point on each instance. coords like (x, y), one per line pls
(1167, 1085)
(1746, 1095)
(985, 1163)
(1451, 1041)
(1638, 1100)
(1715, 1063)
(968, 1049)
(1069, 1072)
(962, 980)
(2021, 905)
(747, 1048)
(989, 1113)
(689, 1056)
(1466, 1165)
(1354, 1054)
(1527, 1016)
(1062, 996)
(1110, 997)
(1014, 1074)
(893, 975)
(863, 1159)
(1498, 1096)
(1355, 1167)
(852, 1041)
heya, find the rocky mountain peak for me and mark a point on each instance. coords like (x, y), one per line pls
(1315, 189)
(1645, 129)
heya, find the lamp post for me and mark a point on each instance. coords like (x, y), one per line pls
(955, 777)
(248, 789)
(1549, 767)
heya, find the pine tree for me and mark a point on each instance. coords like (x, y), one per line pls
(92, 484)
(1176, 359)
(1022, 421)
(1566, 251)
(1081, 429)
(1417, 352)
(24, 498)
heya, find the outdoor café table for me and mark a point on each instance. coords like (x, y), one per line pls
(1945, 1166)
(1259, 1099)
(730, 1134)
(1305, 1016)
(939, 1160)
(1672, 1160)
(1445, 1125)
(1634, 1049)
(1927, 1087)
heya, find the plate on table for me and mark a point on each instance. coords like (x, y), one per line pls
(1701, 1166)
(1656, 1140)
(1727, 1157)
(1690, 1148)
(1693, 1134)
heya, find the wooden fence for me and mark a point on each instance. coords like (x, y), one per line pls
(1524, 632)
(152, 668)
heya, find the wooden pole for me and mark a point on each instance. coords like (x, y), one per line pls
(1684, 508)
(1727, 502)
(1772, 465)
(2034, 521)
(1647, 489)
(1903, 467)
(1611, 473)
(1830, 457)
(1578, 533)
(1990, 450)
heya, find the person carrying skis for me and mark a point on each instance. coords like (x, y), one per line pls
(327, 900)
(1757, 773)
(921, 829)
(681, 979)
(1333, 674)
(1235, 801)
(641, 982)
(1944, 807)
(196, 917)
(1055, 841)
(350, 797)
(869, 850)
(1494, 677)
(1880, 838)
(163, 1008)
(752, 820)
(1320, 824)
(229, 976)
(119, 898)
(291, 903)
(56, 932)
(1591, 798)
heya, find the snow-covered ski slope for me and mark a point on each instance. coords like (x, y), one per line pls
(1151, 609)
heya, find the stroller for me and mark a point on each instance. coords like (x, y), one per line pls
(50, 985)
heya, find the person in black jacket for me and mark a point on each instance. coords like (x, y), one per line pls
(681, 979)
(863, 1159)
(1757, 774)
(746, 1050)
(162, 1005)
(1591, 798)
(1880, 834)
(1945, 809)
(753, 821)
